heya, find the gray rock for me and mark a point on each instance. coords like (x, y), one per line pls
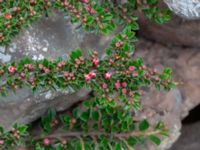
(56, 37)
(48, 38)
(177, 32)
(173, 106)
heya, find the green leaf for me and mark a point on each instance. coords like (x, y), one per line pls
(51, 113)
(168, 71)
(132, 141)
(152, 2)
(95, 115)
(112, 103)
(154, 139)
(159, 125)
(85, 116)
(144, 125)
(75, 54)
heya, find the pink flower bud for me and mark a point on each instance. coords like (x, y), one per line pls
(78, 62)
(131, 68)
(107, 75)
(118, 44)
(46, 70)
(144, 67)
(65, 4)
(111, 62)
(22, 75)
(124, 91)
(87, 77)
(66, 74)
(59, 65)
(87, 8)
(131, 93)
(92, 11)
(124, 84)
(31, 79)
(46, 142)
(85, 1)
(82, 58)
(157, 78)
(117, 85)
(95, 61)
(134, 75)
(92, 74)
(104, 86)
(11, 69)
(63, 63)
(40, 66)
(71, 74)
(30, 67)
(1, 142)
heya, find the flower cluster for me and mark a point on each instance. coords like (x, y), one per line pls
(93, 16)
(106, 120)
(112, 73)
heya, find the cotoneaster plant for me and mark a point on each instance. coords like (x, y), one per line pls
(107, 119)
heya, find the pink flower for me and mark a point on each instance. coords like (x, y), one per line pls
(31, 79)
(87, 77)
(63, 63)
(46, 142)
(65, 4)
(92, 11)
(131, 68)
(78, 62)
(87, 8)
(40, 66)
(22, 75)
(124, 84)
(66, 74)
(111, 62)
(92, 74)
(1, 142)
(59, 65)
(131, 93)
(117, 85)
(11, 69)
(46, 70)
(157, 78)
(124, 91)
(107, 75)
(95, 61)
(85, 1)
(104, 86)
(30, 67)
(144, 67)
(117, 44)
(134, 75)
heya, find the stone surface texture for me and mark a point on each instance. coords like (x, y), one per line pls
(55, 37)
(171, 106)
(178, 32)
(189, 9)
(48, 38)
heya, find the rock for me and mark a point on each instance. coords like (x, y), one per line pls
(189, 139)
(173, 106)
(56, 37)
(189, 9)
(178, 32)
(48, 38)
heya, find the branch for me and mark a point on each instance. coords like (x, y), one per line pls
(98, 133)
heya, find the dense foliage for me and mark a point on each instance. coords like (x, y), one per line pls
(106, 120)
